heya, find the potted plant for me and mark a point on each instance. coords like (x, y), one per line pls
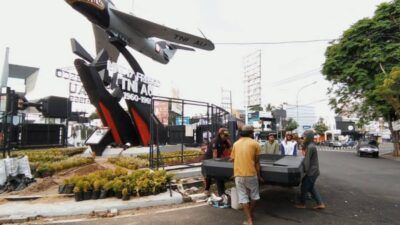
(96, 189)
(125, 194)
(78, 192)
(132, 188)
(106, 191)
(42, 170)
(117, 188)
(62, 187)
(87, 190)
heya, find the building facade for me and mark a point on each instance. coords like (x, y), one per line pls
(305, 116)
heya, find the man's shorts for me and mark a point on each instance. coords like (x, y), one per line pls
(247, 186)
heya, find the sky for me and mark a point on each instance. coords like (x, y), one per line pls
(38, 34)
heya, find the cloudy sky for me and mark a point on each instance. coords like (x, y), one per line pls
(38, 34)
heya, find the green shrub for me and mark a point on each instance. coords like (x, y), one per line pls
(132, 163)
(48, 155)
(173, 158)
(42, 169)
(139, 182)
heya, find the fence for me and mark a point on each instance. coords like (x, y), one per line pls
(187, 123)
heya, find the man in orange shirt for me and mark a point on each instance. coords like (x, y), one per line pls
(246, 164)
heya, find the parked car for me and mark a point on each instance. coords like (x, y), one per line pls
(350, 144)
(335, 144)
(369, 148)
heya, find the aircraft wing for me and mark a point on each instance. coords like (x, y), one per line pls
(150, 29)
(102, 42)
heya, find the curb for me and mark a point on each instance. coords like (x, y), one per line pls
(390, 157)
(186, 173)
(23, 211)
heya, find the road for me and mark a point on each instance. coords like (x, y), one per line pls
(356, 191)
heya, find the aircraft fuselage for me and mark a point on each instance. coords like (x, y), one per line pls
(98, 12)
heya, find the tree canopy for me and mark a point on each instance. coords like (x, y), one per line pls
(390, 89)
(320, 127)
(93, 116)
(291, 125)
(256, 108)
(358, 64)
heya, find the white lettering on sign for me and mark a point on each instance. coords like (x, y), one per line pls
(136, 87)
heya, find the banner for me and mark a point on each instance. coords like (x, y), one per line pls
(161, 111)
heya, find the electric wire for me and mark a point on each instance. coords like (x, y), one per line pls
(276, 43)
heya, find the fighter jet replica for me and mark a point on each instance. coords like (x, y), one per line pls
(135, 32)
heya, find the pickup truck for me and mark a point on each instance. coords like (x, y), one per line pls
(275, 169)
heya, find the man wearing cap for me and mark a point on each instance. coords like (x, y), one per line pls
(289, 146)
(217, 148)
(311, 169)
(246, 163)
(271, 146)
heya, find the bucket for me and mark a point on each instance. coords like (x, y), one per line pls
(235, 199)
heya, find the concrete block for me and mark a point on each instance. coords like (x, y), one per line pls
(192, 172)
(114, 211)
(112, 152)
(197, 197)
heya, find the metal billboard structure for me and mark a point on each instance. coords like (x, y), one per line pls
(252, 79)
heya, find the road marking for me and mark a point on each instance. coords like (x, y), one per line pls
(181, 208)
(335, 150)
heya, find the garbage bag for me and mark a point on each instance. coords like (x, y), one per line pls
(3, 173)
(24, 168)
(11, 166)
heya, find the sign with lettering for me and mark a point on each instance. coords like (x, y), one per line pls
(136, 87)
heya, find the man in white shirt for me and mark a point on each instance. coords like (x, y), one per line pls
(289, 146)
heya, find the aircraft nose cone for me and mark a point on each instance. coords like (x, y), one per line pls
(70, 2)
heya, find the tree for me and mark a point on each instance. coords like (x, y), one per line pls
(320, 127)
(256, 108)
(94, 116)
(357, 62)
(389, 90)
(269, 107)
(291, 125)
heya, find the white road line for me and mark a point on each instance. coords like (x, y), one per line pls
(335, 150)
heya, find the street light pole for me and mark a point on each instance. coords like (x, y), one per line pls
(297, 98)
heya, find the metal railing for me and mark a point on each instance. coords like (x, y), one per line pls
(215, 117)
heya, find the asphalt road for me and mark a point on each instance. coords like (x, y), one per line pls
(356, 191)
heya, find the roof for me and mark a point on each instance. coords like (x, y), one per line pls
(21, 72)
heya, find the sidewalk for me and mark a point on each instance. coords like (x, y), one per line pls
(391, 157)
(71, 208)
(386, 149)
